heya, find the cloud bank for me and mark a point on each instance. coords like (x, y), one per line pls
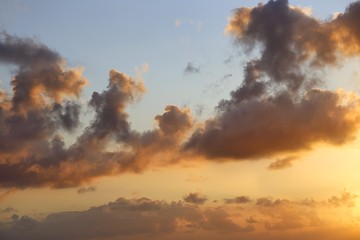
(263, 218)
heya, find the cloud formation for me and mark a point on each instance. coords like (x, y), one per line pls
(277, 109)
(142, 217)
(45, 103)
(124, 217)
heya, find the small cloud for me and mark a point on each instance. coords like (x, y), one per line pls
(84, 189)
(251, 220)
(191, 69)
(178, 22)
(229, 60)
(281, 163)
(145, 67)
(237, 200)
(196, 198)
(8, 210)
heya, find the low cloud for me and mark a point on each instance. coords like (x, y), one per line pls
(265, 218)
(124, 217)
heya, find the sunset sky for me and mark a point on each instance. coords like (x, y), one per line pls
(179, 120)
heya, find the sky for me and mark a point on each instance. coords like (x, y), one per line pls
(179, 120)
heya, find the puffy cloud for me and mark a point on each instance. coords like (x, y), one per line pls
(44, 104)
(276, 110)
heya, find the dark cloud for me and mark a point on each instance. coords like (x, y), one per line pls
(143, 217)
(238, 200)
(196, 198)
(14, 217)
(190, 69)
(276, 110)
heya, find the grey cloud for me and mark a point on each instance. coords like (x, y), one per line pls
(191, 69)
(276, 110)
(238, 200)
(196, 198)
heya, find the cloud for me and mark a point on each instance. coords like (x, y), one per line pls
(8, 210)
(6, 194)
(279, 109)
(251, 220)
(281, 163)
(124, 217)
(190, 69)
(238, 200)
(145, 67)
(142, 217)
(84, 189)
(196, 198)
(45, 103)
